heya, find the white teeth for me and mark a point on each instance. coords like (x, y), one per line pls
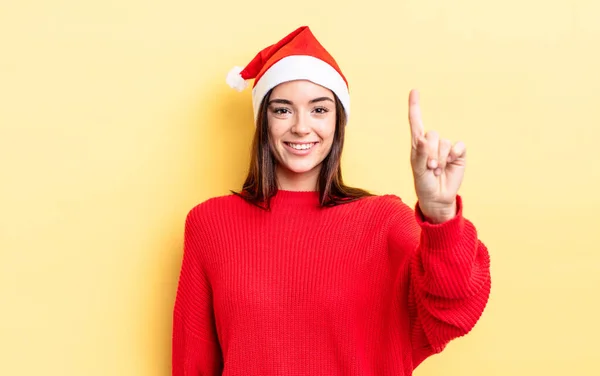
(301, 146)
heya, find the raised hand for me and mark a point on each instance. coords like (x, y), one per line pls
(438, 167)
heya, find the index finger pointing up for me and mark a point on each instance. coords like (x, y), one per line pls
(414, 117)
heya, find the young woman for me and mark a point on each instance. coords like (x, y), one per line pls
(297, 273)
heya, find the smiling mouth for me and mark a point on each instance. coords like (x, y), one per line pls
(301, 146)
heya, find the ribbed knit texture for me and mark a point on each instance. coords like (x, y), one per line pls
(365, 288)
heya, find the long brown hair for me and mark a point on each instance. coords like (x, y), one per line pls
(261, 182)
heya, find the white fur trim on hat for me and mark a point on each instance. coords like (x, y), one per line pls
(235, 80)
(299, 67)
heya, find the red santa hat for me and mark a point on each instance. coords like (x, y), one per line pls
(297, 56)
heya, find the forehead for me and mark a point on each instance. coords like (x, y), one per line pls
(300, 90)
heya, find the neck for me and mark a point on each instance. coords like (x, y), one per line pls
(291, 181)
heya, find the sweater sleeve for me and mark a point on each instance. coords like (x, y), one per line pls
(195, 347)
(448, 279)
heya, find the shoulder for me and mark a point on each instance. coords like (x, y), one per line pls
(218, 202)
(401, 222)
(214, 207)
(381, 208)
(387, 203)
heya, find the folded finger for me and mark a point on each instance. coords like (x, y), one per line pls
(444, 152)
(433, 140)
(457, 151)
(420, 155)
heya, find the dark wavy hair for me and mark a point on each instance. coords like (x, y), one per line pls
(261, 182)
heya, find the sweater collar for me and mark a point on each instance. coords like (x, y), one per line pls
(287, 197)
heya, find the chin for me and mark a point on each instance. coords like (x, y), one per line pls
(300, 168)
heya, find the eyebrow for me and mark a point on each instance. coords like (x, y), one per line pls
(288, 102)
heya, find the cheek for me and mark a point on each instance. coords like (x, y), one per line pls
(275, 132)
(327, 132)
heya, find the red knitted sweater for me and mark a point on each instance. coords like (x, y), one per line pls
(365, 288)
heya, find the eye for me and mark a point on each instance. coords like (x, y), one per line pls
(321, 110)
(281, 111)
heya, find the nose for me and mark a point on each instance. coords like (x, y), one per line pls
(301, 126)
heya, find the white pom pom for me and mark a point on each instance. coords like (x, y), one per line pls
(235, 80)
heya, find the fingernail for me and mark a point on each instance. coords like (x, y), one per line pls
(433, 163)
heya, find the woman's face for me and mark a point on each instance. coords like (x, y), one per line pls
(301, 116)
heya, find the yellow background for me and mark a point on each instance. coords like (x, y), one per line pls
(115, 120)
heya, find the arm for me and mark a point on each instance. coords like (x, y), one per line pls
(449, 283)
(449, 275)
(196, 350)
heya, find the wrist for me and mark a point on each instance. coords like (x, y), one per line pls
(437, 214)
